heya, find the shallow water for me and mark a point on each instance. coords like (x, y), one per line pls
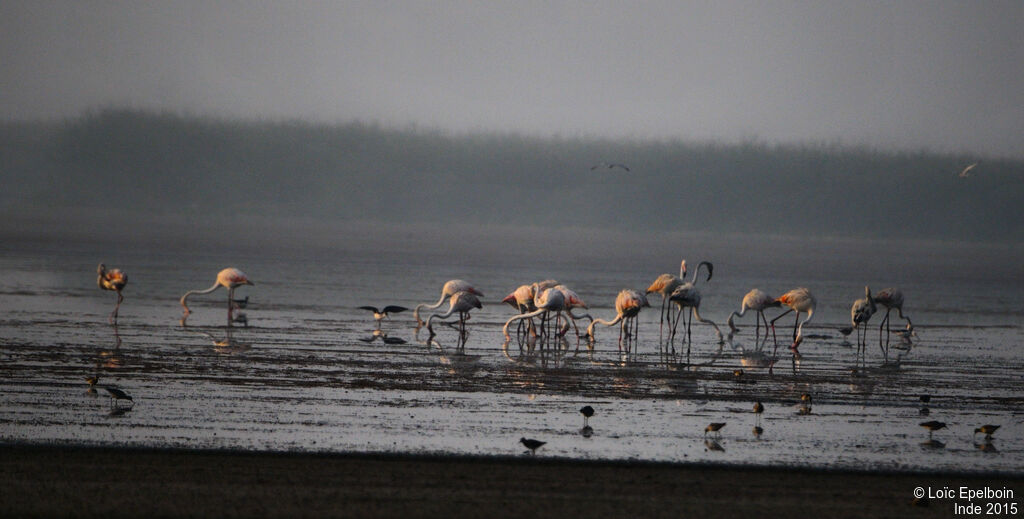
(301, 377)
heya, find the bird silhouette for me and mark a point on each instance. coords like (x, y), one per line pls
(117, 395)
(587, 412)
(987, 430)
(381, 314)
(229, 278)
(114, 280)
(933, 426)
(608, 166)
(532, 444)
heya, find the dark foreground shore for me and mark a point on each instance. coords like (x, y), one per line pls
(95, 482)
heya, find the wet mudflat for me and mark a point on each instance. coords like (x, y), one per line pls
(309, 375)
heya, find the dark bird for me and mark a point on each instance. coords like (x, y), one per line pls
(925, 398)
(587, 412)
(988, 430)
(925, 411)
(382, 314)
(758, 409)
(116, 395)
(933, 426)
(532, 444)
(758, 431)
(609, 166)
(737, 373)
(715, 428)
(113, 280)
(92, 380)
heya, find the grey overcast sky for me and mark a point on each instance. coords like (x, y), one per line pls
(946, 76)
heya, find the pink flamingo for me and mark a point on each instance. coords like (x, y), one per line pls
(572, 300)
(798, 300)
(449, 289)
(229, 278)
(461, 302)
(860, 313)
(757, 301)
(628, 304)
(664, 285)
(688, 296)
(550, 300)
(891, 298)
(115, 280)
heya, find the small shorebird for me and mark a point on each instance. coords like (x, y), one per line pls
(714, 427)
(114, 280)
(116, 395)
(925, 398)
(758, 431)
(532, 444)
(805, 404)
(933, 426)
(587, 412)
(92, 380)
(988, 430)
(381, 314)
(758, 409)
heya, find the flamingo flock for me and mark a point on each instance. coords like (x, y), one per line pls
(552, 304)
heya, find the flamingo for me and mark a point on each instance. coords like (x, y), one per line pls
(229, 278)
(572, 300)
(449, 289)
(688, 296)
(550, 300)
(664, 285)
(113, 279)
(757, 301)
(891, 298)
(461, 302)
(860, 313)
(798, 300)
(628, 304)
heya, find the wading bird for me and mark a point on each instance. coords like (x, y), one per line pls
(758, 410)
(860, 313)
(380, 315)
(116, 395)
(628, 304)
(988, 430)
(587, 412)
(715, 427)
(449, 289)
(114, 280)
(757, 301)
(229, 278)
(664, 285)
(546, 302)
(461, 303)
(933, 426)
(892, 298)
(688, 296)
(798, 300)
(532, 444)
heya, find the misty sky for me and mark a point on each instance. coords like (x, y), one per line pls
(948, 76)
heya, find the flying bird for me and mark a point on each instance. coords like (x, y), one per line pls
(967, 171)
(382, 314)
(114, 280)
(608, 166)
(229, 278)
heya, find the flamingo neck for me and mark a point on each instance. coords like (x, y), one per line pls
(184, 298)
(416, 311)
(530, 315)
(613, 322)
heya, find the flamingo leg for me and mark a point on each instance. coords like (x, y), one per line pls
(231, 295)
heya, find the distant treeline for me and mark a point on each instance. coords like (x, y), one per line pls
(194, 167)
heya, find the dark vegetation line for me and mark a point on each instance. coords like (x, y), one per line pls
(190, 166)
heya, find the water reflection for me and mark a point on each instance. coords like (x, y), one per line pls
(383, 336)
(228, 345)
(713, 445)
